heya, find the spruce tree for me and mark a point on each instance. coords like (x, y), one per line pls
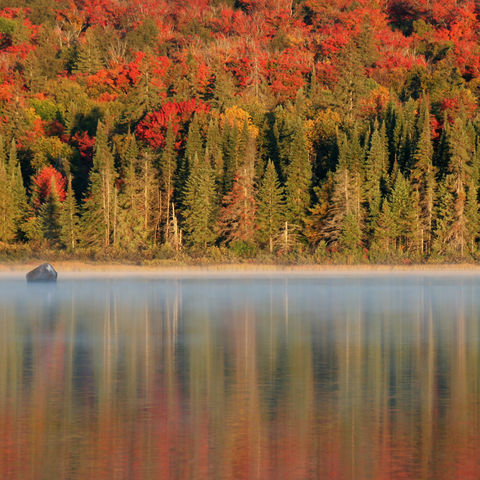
(343, 228)
(20, 204)
(458, 180)
(168, 166)
(89, 57)
(237, 217)
(403, 215)
(69, 223)
(200, 197)
(271, 207)
(375, 172)
(229, 144)
(422, 177)
(150, 206)
(443, 220)
(49, 216)
(7, 212)
(130, 232)
(98, 210)
(299, 178)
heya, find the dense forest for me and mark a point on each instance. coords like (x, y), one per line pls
(336, 131)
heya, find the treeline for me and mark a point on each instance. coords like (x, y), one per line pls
(383, 191)
(257, 129)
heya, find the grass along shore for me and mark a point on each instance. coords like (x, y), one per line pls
(74, 268)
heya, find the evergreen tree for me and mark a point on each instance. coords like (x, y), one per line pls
(7, 206)
(69, 223)
(49, 216)
(200, 204)
(98, 211)
(343, 227)
(403, 212)
(271, 207)
(130, 231)
(299, 178)
(168, 166)
(375, 172)
(458, 180)
(229, 144)
(89, 57)
(443, 219)
(150, 206)
(422, 177)
(20, 204)
(237, 217)
(214, 151)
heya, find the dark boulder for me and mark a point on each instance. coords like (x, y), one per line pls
(43, 273)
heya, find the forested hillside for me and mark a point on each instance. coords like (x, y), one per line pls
(332, 130)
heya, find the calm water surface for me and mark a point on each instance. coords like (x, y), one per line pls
(285, 378)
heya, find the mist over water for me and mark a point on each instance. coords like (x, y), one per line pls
(252, 378)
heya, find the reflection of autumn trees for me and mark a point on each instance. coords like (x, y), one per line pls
(197, 380)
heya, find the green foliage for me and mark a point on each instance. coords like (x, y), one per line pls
(271, 207)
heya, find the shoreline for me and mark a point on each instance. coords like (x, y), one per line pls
(82, 269)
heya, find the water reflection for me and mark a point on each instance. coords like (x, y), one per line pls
(240, 379)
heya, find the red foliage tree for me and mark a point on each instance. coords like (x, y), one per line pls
(152, 129)
(42, 185)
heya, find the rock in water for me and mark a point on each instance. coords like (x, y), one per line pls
(43, 273)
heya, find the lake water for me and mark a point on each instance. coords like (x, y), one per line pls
(261, 378)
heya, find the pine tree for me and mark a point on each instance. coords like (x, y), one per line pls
(271, 207)
(168, 166)
(49, 216)
(150, 206)
(299, 178)
(422, 177)
(457, 180)
(98, 211)
(383, 241)
(20, 204)
(343, 228)
(7, 212)
(69, 223)
(130, 232)
(200, 196)
(89, 57)
(403, 214)
(229, 144)
(375, 172)
(237, 217)
(443, 220)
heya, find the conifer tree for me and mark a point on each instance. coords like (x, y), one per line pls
(237, 217)
(131, 233)
(150, 206)
(443, 219)
(168, 166)
(422, 177)
(20, 205)
(458, 180)
(7, 212)
(200, 197)
(345, 219)
(229, 143)
(271, 207)
(98, 211)
(49, 216)
(89, 57)
(299, 178)
(383, 241)
(69, 223)
(375, 173)
(403, 214)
